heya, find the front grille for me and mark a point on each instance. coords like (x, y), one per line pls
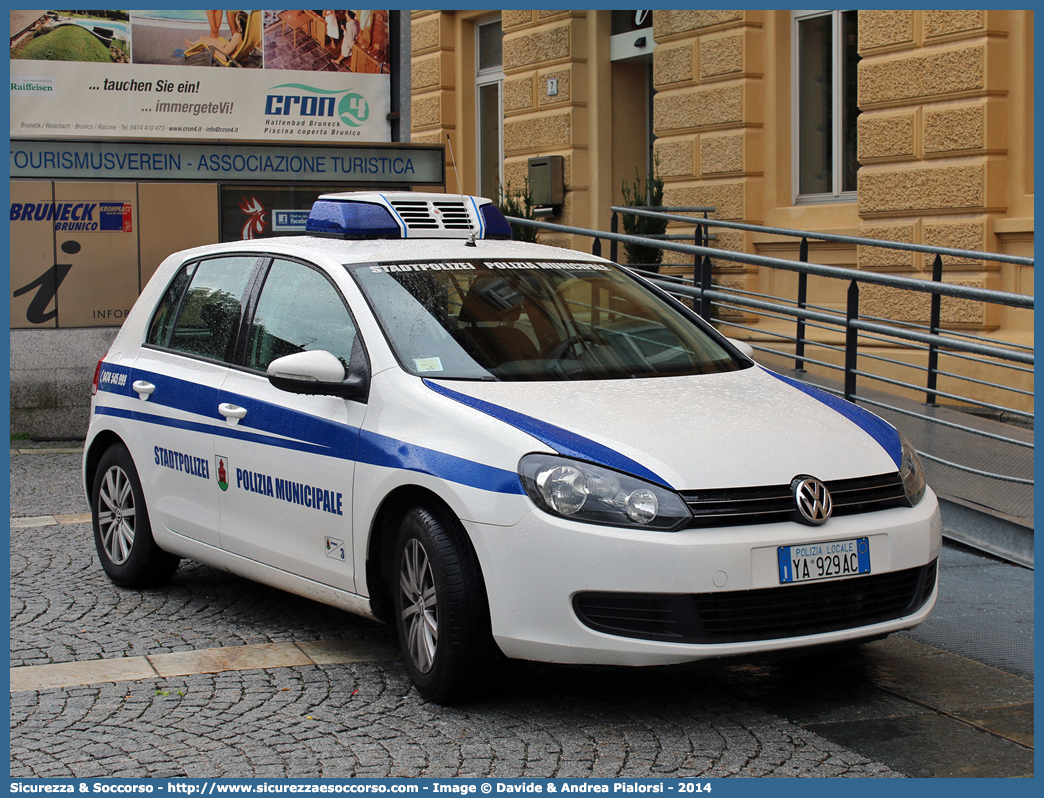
(436, 215)
(645, 616)
(775, 503)
(815, 607)
(764, 614)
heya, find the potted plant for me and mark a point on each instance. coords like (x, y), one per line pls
(520, 205)
(638, 256)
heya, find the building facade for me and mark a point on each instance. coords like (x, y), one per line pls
(913, 126)
(129, 143)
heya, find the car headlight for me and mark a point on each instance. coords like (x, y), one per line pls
(585, 492)
(912, 472)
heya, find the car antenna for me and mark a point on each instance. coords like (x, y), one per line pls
(471, 233)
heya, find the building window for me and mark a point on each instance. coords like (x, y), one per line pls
(631, 49)
(489, 107)
(826, 52)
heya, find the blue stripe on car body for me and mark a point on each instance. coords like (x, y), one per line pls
(379, 450)
(222, 430)
(877, 428)
(566, 443)
(315, 435)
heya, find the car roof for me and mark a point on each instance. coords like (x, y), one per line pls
(368, 251)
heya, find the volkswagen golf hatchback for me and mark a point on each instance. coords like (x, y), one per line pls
(504, 449)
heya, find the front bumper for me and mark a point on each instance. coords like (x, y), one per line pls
(535, 570)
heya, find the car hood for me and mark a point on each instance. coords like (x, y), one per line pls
(734, 429)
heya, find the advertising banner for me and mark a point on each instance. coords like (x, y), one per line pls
(289, 76)
(82, 232)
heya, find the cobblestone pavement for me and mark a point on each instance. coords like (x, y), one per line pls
(366, 721)
(359, 719)
(352, 719)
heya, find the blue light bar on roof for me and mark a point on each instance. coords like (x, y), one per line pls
(352, 220)
(406, 214)
(496, 225)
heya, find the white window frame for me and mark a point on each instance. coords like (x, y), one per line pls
(487, 77)
(837, 64)
(622, 47)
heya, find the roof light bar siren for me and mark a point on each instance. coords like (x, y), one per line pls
(371, 215)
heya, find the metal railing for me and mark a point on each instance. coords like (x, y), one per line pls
(867, 341)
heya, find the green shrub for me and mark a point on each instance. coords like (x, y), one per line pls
(648, 258)
(520, 205)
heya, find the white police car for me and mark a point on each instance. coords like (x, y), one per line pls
(505, 449)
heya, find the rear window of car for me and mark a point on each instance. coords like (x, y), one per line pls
(201, 310)
(526, 320)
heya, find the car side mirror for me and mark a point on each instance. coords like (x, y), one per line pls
(318, 373)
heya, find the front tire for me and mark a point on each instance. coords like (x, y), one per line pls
(441, 609)
(122, 532)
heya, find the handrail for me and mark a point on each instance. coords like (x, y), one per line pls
(859, 324)
(834, 237)
(836, 272)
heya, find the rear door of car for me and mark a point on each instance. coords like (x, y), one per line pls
(289, 458)
(175, 379)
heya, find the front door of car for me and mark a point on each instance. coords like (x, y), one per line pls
(175, 381)
(289, 458)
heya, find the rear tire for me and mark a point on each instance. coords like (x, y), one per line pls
(441, 609)
(122, 532)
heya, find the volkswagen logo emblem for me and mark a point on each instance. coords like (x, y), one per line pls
(813, 500)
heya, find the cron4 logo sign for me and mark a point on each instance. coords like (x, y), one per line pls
(300, 100)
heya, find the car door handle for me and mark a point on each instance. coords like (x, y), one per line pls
(232, 413)
(143, 389)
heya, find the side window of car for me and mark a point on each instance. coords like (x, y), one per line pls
(167, 311)
(211, 308)
(299, 311)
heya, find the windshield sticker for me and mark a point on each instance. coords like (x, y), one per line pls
(427, 363)
(422, 267)
(494, 265)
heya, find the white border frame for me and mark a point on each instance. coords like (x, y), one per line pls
(487, 77)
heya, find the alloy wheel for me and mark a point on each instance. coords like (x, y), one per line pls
(420, 616)
(116, 515)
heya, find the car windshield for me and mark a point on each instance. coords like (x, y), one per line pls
(533, 320)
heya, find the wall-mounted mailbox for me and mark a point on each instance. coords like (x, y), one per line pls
(547, 184)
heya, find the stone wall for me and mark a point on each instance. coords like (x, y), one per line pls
(538, 46)
(433, 82)
(945, 134)
(709, 116)
(51, 374)
(933, 145)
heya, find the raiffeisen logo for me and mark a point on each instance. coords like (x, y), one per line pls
(32, 85)
(308, 102)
